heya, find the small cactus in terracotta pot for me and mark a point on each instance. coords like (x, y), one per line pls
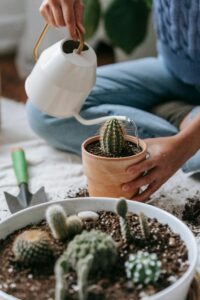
(112, 139)
(106, 167)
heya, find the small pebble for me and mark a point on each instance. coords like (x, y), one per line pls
(172, 242)
(30, 276)
(10, 270)
(95, 289)
(88, 215)
(129, 285)
(13, 286)
(172, 279)
(75, 287)
(5, 285)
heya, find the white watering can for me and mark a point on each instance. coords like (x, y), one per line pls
(62, 79)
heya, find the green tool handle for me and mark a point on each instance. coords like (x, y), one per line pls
(20, 165)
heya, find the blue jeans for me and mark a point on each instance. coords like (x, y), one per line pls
(130, 89)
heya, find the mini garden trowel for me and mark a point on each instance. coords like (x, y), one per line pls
(25, 198)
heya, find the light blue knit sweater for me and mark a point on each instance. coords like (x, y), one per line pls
(178, 32)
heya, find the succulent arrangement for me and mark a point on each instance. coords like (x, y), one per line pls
(88, 253)
(32, 247)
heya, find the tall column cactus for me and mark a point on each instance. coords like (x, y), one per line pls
(144, 226)
(121, 209)
(112, 137)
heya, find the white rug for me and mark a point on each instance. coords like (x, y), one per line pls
(58, 171)
(53, 169)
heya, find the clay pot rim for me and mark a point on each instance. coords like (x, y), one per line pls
(127, 138)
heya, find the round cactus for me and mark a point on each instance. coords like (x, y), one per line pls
(56, 219)
(74, 225)
(143, 267)
(112, 137)
(87, 252)
(96, 243)
(32, 247)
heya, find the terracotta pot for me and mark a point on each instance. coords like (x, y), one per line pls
(106, 175)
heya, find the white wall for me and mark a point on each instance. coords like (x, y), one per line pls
(12, 17)
(34, 26)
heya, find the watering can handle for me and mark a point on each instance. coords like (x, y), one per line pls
(42, 35)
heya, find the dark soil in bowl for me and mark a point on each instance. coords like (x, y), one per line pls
(129, 150)
(38, 282)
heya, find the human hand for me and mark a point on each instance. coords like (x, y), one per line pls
(59, 13)
(166, 156)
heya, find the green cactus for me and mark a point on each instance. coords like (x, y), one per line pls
(84, 267)
(56, 219)
(143, 267)
(62, 227)
(112, 139)
(121, 209)
(32, 247)
(74, 226)
(61, 285)
(144, 225)
(87, 253)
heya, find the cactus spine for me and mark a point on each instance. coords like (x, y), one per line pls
(88, 252)
(144, 225)
(143, 267)
(112, 140)
(56, 219)
(32, 247)
(121, 209)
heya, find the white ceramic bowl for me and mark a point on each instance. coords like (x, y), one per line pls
(177, 291)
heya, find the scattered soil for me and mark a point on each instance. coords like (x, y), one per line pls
(77, 192)
(129, 150)
(191, 211)
(37, 283)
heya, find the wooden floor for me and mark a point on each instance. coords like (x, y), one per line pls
(13, 86)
